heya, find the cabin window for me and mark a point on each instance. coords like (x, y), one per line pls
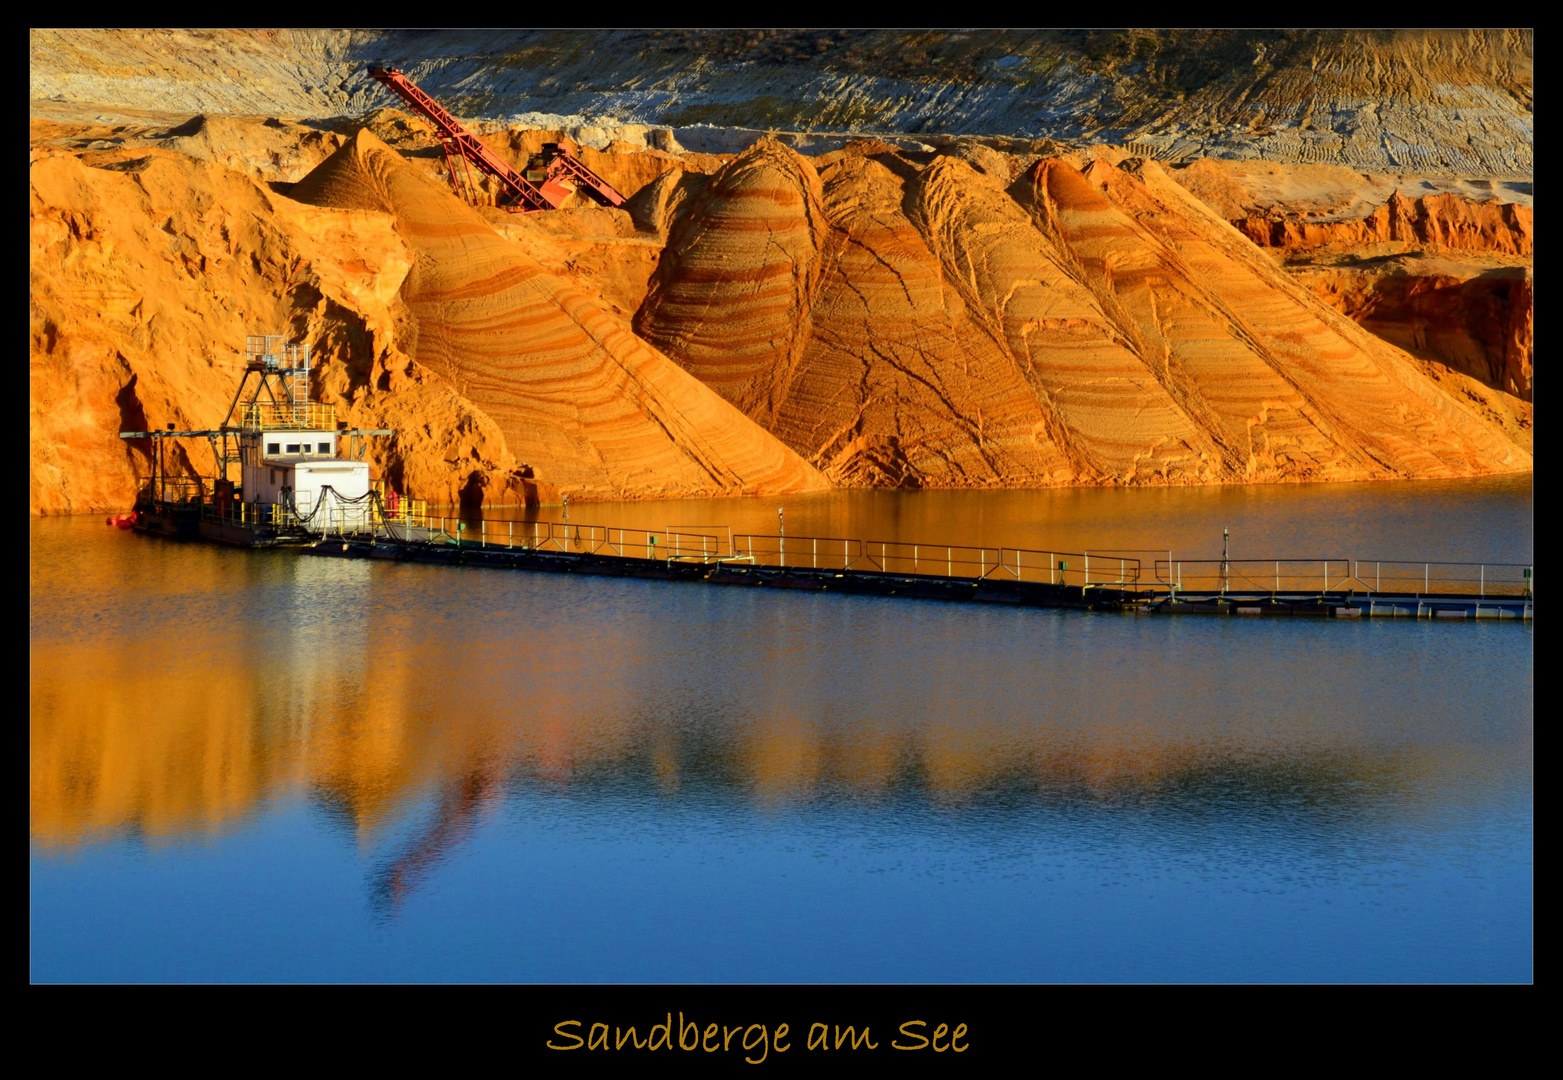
(273, 448)
(292, 447)
(325, 448)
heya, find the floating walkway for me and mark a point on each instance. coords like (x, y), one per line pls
(1145, 582)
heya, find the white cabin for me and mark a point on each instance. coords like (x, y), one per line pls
(284, 464)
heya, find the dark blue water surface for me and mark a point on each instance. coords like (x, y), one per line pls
(263, 766)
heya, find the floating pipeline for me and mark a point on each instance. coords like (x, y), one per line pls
(1342, 604)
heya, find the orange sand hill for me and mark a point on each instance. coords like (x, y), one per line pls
(147, 271)
(965, 318)
(148, 268)
(745, 252)
(908, 320)
(1407, 418)
(577, 396)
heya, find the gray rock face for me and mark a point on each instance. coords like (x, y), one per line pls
(1433, 102)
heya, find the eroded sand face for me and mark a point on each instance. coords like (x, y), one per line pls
(578, 396)
(951, 326)
(755, 323)
(1439, 266)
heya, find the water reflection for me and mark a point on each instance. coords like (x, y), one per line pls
(405, 703)
(121, 741)
(463, 801)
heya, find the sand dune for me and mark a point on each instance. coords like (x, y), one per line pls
(869, 317)
(578, 396)
(949, 327)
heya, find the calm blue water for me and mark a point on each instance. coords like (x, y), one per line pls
(258, 766)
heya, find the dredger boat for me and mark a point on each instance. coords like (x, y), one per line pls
(300, 473)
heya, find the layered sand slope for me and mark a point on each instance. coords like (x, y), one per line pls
(961, 319)
(146, 273)
(1412, 417)
(578, 396)
(748, 247)
(1447, 277)
(898, 383)
(950, 325)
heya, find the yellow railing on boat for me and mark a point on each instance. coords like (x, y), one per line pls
(397, 509)
(276, 416)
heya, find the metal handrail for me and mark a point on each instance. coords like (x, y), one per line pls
(937, 560)
(1254, 575)
(288, 416)
(1320, 576)
(681, 544)
(1496, 579)
(1087, 569)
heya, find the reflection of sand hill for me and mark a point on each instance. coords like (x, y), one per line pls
(577, 395)
(928, 323)
(119, 743)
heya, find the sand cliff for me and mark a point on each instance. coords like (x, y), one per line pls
(927, 320)
(503, 382)
(1445, 274)
(885, 316)
(577, 395)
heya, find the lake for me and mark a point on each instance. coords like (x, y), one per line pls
(261, 766)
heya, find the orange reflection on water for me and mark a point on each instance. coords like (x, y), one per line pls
(117, 743)
(167, 753)
(370, 687)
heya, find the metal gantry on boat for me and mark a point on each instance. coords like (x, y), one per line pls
(300, 472)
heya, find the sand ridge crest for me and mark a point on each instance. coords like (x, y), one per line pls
(587, 404)
(873, 316)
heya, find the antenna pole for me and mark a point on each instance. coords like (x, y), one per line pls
(1226, 570)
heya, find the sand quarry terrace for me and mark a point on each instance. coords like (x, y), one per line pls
(880, 314)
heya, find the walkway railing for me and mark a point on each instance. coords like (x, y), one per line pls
(1433, 578)
(408, 519)
(1293, 577)
(717, 544)
(710, 543)
(938, 560)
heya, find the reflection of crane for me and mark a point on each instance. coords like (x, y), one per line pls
(452, 824)
(549, 179)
